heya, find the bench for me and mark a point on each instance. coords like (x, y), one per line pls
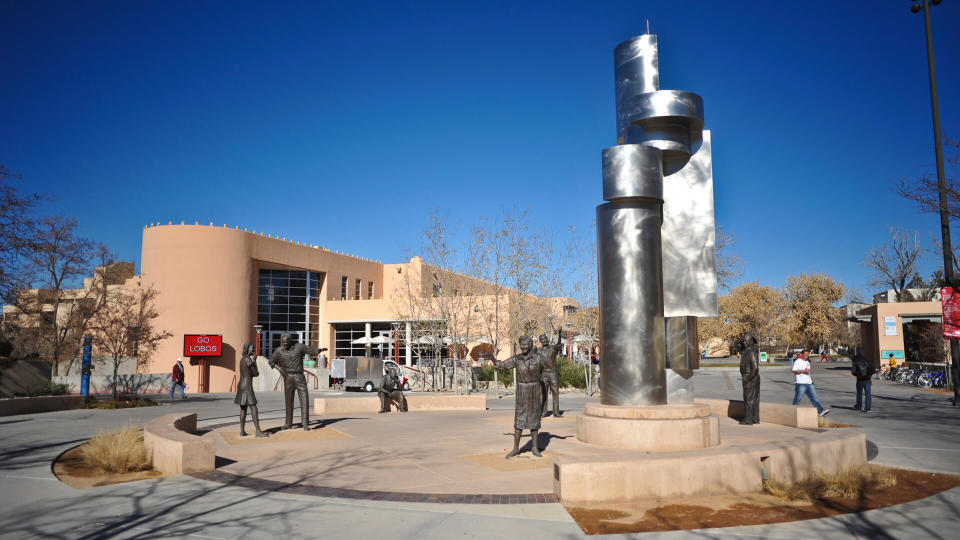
(175, 448)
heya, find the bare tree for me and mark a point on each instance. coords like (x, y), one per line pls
(486, 257)
(729, 264)
(16, 228)
(124, 327)
(894, 264)
(56, 303)
(585, 322)
(436, 295)
(925, 192)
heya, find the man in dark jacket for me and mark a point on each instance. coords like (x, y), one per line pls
(390, 390)
(863, 370)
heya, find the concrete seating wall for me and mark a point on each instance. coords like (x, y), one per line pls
(174, 447)
(371, 404)
(775, 413)
(712, 471)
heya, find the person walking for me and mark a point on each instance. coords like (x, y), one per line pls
(179, 377)
(863, 370)
(804, 383)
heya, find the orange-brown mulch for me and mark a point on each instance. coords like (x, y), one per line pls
(72, 471)
(730, 511)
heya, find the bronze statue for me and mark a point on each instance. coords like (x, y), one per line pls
(245, 396)
(551, 381)
(288, 359)
(529, 395)
(390, 390)
(750, 372)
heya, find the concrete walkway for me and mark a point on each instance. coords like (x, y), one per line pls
(908, 428)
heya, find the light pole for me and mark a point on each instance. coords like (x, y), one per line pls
(948, 273)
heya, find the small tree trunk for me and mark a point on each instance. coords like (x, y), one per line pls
(116, 364)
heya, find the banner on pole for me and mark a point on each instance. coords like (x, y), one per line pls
(950, 300)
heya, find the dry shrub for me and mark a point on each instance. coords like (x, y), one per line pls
(854, 483)
(117, 451)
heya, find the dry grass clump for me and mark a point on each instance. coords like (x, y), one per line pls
(117, 451)
(855, 483)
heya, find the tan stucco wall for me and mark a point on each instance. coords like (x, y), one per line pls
(207, 278)
(873, 339)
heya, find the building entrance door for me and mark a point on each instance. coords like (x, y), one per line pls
(272, 341)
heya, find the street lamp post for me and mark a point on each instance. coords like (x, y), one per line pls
(948, 273)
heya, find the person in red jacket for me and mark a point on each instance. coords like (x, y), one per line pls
(178, 379)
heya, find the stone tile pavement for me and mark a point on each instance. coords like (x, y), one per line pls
(908, 428)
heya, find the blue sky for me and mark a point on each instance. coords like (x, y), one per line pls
(345, 125)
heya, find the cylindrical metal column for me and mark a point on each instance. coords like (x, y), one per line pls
(632, 333)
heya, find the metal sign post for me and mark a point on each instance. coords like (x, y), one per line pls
(86, 366)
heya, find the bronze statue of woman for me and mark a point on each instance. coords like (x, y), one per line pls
(245, 396)
(529, 395)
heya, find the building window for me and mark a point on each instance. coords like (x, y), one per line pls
(369, 289)
(569, 310)
(343, 288)
(288, 302)
(436, 289)
(356, 289)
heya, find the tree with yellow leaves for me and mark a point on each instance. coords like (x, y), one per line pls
(750, 307)
(809, 313)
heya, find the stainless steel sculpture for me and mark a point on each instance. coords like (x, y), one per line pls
(655, 235)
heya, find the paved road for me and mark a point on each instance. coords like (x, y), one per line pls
(907, 428)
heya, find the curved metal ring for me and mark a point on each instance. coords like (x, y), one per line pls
(632, 171)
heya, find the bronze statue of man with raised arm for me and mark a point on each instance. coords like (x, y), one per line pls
(551, 381)
(288, 359)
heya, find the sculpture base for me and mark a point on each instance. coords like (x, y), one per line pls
(656, 428)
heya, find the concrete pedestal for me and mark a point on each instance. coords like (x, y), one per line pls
(658, 428)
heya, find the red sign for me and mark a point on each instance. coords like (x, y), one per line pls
(202, 345)
(950, 300)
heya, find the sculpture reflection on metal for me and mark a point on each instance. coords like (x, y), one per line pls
(655, 236)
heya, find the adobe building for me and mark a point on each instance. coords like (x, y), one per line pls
(908, 330)
(224, 281)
